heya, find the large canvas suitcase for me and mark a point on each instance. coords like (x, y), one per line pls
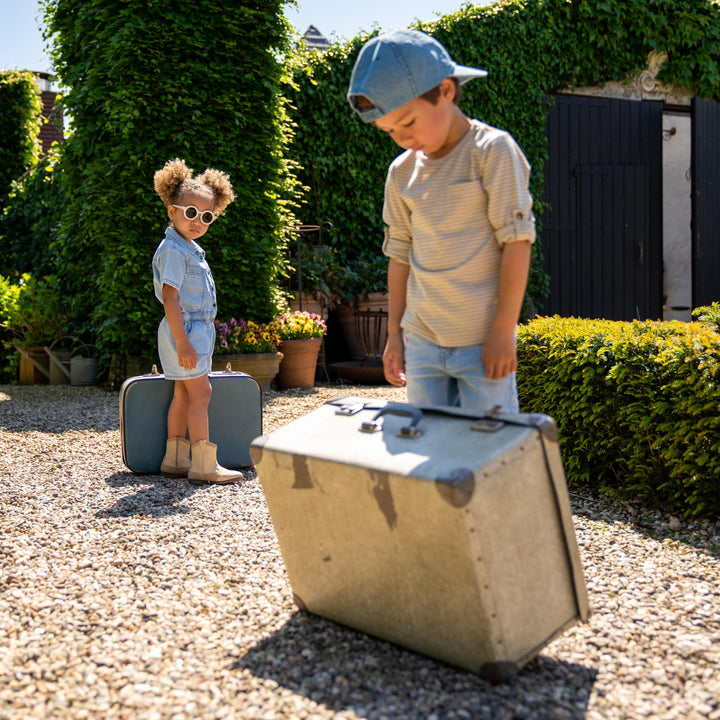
(446, 534)
(234, 414)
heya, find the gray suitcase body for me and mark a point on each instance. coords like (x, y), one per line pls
(446, 534)
(234, 413)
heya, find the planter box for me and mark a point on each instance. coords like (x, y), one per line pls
(34, 366)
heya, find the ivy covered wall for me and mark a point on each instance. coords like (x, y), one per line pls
(20, 120)
(531, 48)
(149, 81)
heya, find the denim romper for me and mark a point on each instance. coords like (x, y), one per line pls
(182, 265)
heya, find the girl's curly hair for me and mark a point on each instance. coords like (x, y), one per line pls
(176, 178)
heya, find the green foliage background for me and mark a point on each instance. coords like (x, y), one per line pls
(531, 49)
(148, 81)
(20, 120)
(31, 218)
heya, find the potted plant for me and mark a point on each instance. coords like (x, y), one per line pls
(301, 333)
(247, 346)
(32, 315)
(365, 291)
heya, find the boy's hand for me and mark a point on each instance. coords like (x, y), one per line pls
(499, 350)
(499, 354)
(394, 361)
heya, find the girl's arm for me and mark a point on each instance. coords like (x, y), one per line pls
(187, 357)
(499, 351)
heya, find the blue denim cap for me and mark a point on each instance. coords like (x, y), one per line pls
(399, 66)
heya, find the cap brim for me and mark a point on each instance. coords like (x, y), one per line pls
(464, 73)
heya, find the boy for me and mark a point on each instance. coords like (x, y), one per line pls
(459, 227)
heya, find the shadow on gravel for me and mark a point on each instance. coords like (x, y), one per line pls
(702, 534)
(346, 670)
(155, 496)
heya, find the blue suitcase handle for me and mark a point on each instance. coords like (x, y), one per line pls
(408, 431)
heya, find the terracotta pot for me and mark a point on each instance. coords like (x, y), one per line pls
(364, 347)
(262, 366)
(297, 369)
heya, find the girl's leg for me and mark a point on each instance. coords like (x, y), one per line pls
(177, 418)
(198, 392)
(176, 462)
(203, 453)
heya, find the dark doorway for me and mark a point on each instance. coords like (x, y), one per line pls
(705, 202)
(602, 233)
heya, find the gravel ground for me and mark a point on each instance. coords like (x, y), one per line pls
(138, 597)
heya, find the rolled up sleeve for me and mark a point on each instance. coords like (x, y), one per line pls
(506, 175)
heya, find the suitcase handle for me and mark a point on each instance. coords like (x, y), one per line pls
(409, 431)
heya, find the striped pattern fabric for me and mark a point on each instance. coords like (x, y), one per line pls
(449, 218)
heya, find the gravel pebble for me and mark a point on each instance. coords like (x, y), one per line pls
(138, 597)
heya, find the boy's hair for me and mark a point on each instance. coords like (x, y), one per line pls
(176, 178)
(432, 95)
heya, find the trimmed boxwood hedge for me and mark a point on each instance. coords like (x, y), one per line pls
(637, 404)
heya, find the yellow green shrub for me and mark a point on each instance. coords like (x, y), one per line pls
(637, 404)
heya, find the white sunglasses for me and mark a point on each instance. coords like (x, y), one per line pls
(207, 217)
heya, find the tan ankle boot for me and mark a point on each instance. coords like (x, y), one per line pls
(205, 468)
(176, 462)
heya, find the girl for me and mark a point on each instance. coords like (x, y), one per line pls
(186, 337)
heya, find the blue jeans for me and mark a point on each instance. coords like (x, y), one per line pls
(454, 376)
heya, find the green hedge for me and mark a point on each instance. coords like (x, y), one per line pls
(20, 120)
(30, 220)
(149, 81)
(637, 405)
(531, 49)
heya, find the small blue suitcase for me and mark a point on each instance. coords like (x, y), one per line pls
(235, 415)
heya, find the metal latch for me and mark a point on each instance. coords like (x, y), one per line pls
(486, 425)
(350, 409)
(489, 423)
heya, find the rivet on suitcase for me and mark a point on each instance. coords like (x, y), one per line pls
(234, 414)
(446, 534)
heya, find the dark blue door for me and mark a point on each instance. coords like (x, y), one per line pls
(705, 166)
(602, 232)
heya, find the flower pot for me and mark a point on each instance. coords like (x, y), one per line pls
(262, 366)
(297, 369)
(364, 335)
